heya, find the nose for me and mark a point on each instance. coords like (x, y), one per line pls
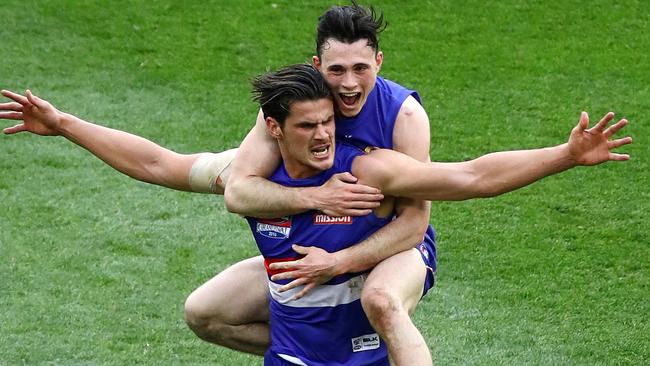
(349, 81)
(321, 132)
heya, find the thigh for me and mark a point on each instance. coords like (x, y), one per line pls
(402, 275)
(238, 294)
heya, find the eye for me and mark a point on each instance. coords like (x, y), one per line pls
(336, 70)
(361, 68)
(306, 126)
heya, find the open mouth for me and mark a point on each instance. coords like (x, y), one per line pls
(350, 99)
(320, 151)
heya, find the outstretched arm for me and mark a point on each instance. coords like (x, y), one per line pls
(132, 155)
(492, 174)
(250, 193)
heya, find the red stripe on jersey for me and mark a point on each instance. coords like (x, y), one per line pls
(271, 272)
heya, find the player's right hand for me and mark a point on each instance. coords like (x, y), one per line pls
(342, 196)
(37, 115)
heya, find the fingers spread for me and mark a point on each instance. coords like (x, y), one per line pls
(16, 97)
(300, 250)
(618, 157)
(14, 129)
(11, 115)
(613, 129)
(600, 126)
(293, 284)
(285, 276)
(11, 106)
(619, 142)
(34, 99)
(304, 291)
(584, 121)
(283, 265)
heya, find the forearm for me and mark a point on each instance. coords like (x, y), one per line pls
(129, 154)
(487, 176)
(502, 172)
(403, 233)
(258, 197)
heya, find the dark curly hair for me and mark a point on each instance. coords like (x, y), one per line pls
(276, 91)
(349, 24)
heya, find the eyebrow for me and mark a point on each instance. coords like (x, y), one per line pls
(341, 66)
(306, 123)
(312, 123)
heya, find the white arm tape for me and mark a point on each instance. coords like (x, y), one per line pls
(209, 170)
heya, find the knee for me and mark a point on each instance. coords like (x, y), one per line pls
(195, 315)
(381, 306)
(203, 321)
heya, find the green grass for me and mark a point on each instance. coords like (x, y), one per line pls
(94, 268)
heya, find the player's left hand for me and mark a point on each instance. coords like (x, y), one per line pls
(315, 268)
(37, 116)
(593, 146)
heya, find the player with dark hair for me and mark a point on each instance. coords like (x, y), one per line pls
(232, 308)
(349, 24)
(328, 326)
(370, 112)
(299, 116)
(275, 91)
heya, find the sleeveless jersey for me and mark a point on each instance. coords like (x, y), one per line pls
(328, 325)
(374, 124)
(373, 127)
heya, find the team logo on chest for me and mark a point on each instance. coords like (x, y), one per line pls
(274, 228)
(322, 219)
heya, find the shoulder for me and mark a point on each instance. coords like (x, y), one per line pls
(411, 108)
(411, 134)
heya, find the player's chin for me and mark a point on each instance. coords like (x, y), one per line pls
(323, 163)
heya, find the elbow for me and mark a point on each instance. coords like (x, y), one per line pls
(229, 202)
(231, 196)
(420, 231)
(417, 229)
(239, 195)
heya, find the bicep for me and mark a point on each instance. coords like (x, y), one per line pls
(258, 154)
(411, 135)
(399, 175)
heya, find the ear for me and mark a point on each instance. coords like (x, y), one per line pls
(316, 61)
(273, 128)
(379, 59)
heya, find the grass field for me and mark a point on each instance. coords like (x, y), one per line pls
(94, 267)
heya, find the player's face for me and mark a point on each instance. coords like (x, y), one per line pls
(351, 72)
(307, 138)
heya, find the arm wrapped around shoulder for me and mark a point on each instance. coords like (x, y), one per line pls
(210, 171)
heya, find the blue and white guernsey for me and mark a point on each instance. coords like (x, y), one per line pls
(328, 325)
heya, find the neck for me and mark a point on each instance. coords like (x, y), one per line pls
(295, 169)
